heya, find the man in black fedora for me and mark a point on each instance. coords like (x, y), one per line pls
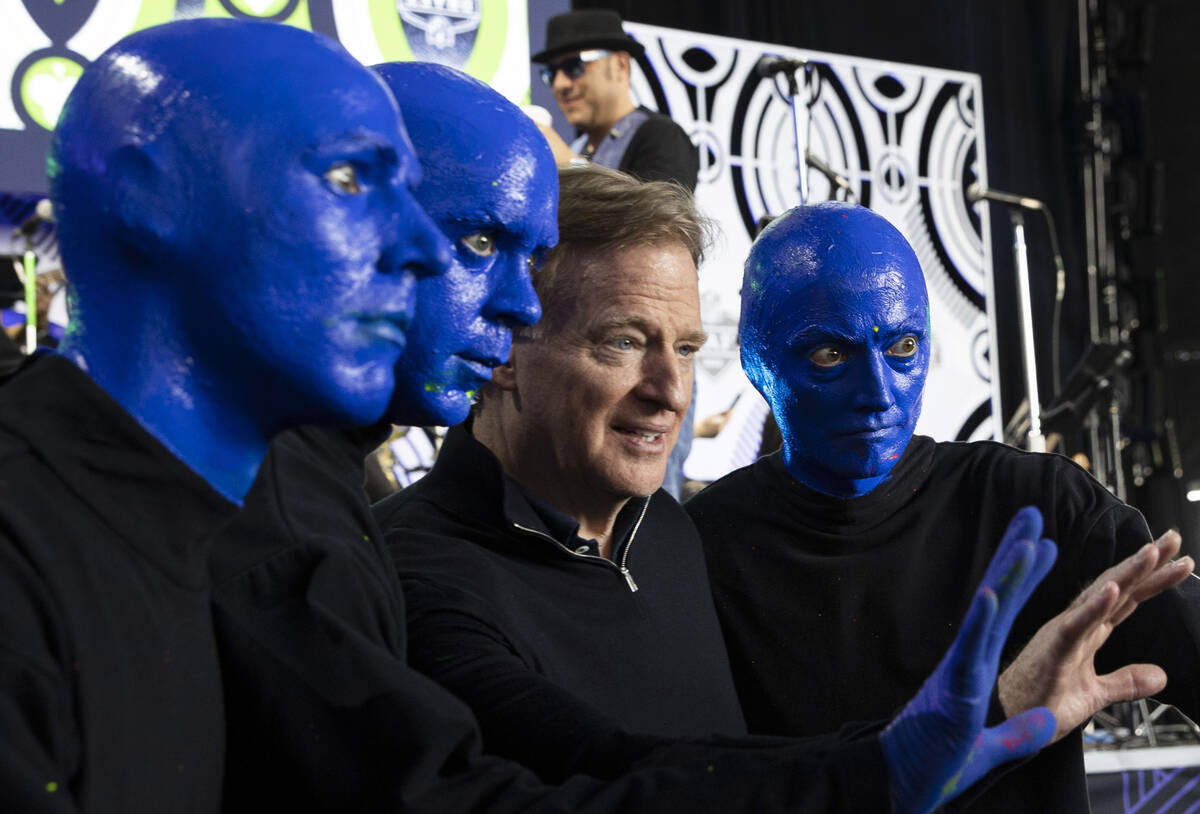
(586, 64)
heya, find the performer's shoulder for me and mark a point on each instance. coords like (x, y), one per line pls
(995, 454)
(735, 486)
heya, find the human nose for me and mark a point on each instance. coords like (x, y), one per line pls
(421, 248)
(874, 385)
(560, 83)
(513, 302)
(667, 380)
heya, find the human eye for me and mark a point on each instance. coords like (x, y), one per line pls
(827, 356)
(621, 343)
(343, 177)
(482, 244)
(537, 259)
(904, 348)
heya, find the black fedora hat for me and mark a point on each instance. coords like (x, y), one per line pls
(588, 28)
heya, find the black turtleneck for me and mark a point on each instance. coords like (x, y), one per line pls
(838, 609)
(110, 695)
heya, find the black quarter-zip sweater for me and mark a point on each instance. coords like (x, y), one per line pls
(514, 613)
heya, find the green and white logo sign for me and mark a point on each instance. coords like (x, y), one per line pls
(45, 86)
(445, 23)
(489, 39)
(45, 44)
(259, 8)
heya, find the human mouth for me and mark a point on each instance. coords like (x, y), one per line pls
(867, 432)
(643, 436)
(481, 366)
(388, 327)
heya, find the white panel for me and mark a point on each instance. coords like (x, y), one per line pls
(111, 20)
(19, 37)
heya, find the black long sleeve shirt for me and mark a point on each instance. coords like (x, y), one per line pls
(110, 693)
(839, 609)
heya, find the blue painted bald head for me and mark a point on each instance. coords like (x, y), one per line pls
(835, 335)
(235, 210)
(492, 186)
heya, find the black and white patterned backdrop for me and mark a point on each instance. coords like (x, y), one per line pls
(908, 142)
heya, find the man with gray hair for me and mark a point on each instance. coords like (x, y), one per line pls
(553, 494)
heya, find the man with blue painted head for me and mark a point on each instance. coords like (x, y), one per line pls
(235, 269)
(495, 199)
(836, 338)
(306, 536)
(842, 563)
(488, 186)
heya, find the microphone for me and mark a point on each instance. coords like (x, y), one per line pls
(768, 66)
(835, 178)
(43, 212)
(977, 192)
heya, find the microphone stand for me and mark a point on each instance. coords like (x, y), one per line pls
(1036, 441)
(800, 129)
(771, 67)
(1017, 205)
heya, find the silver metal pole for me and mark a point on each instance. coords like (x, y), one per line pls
(800, 131)
(1092, 183)
(1037, 442)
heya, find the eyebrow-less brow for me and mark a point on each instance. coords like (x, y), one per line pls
(806, 334)
(368, 148)
(361, 142)
(481, 219)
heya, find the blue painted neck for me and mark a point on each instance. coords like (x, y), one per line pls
(181, 410)
(825, 482)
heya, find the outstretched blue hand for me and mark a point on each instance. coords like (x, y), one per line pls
(937, 747)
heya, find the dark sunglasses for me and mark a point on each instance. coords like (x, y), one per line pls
(574, 66)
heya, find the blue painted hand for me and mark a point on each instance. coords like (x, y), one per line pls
(938, 746)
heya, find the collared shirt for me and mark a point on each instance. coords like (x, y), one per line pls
(614, 145)
(563, 528)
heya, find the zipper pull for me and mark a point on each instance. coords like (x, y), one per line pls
(629, 579)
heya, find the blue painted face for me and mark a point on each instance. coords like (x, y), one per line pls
(492, 186)
(266, 242)
(331, 242)
(835, 335)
